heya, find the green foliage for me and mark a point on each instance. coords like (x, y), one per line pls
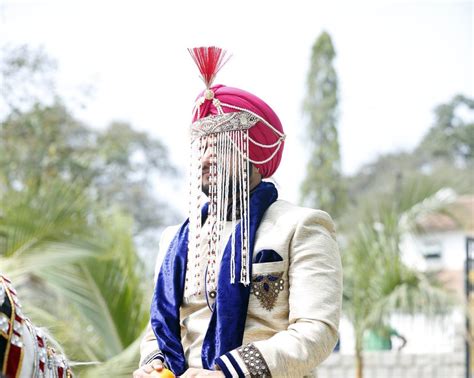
(444, 157)
(88, 272)
(27, 76)
(129, 167)
(73, 199)
(452, 136)
(386, 198)
(119, 366)
(108, 292)
(119, 166)
(38, 226)
(323, 187)
(45, 143)
(377, 283)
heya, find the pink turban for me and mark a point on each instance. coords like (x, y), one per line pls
(261, 133)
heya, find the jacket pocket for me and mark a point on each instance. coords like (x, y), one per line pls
(268, 267)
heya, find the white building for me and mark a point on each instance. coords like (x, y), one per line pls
(439, 246)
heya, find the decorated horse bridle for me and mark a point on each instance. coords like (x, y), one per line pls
(24, 350)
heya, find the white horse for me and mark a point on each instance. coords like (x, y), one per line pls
(25, 350)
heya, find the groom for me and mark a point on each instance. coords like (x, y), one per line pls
(248, 285)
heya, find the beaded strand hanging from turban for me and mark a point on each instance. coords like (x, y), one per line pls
(239, 129)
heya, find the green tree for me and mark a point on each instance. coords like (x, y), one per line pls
(452, 135)
(376, 280)
(323, 185)
(130, 167)
(40, 141)
(64, 253)
(27, 76)
(444, 156)
(72, 202)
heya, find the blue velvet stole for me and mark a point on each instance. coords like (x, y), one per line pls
(226, 327)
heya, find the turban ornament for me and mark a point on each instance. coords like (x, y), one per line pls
(239, 129)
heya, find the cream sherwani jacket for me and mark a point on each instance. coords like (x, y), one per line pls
(291, 327)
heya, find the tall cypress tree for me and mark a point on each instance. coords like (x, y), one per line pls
(323, 186)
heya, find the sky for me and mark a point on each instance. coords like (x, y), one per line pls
(396, 60)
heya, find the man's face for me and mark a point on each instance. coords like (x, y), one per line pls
(207, 159)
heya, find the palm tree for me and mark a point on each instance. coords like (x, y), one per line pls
(77, 272)
(376, 280)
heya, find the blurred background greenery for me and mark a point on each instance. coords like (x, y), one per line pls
(75, 204)
(385, 200)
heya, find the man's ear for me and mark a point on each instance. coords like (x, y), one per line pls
(254, 168)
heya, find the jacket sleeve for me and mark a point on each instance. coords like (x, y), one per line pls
(149, 349)
(315, 297)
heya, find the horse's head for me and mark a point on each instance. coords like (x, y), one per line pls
(24, 349)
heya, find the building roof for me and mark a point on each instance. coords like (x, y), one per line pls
(457, 216)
